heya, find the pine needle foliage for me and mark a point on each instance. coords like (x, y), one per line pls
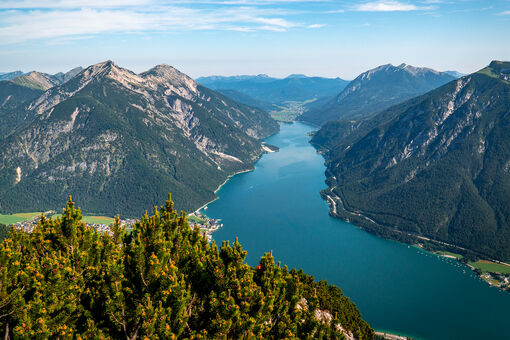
(162, 280)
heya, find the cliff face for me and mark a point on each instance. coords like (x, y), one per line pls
(437, 165)
(111, 134)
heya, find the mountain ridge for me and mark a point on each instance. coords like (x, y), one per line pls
(277, 91)
(433, 166)
(375, 90)
(109, 131)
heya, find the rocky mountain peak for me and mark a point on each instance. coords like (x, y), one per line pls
(35, 80)
(170, 78)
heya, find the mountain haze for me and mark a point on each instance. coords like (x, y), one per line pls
(437, 165)
(10, 75)
(376, 90)
(110, 135)
(277, 91)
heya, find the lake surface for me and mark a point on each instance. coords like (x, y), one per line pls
(398, 288)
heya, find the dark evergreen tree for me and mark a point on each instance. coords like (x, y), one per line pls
(162, 280)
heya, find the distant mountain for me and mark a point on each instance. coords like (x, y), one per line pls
(119, 142)
(277, 91)
(64, 77)
(376, 90)
(39, 80)
(10, 75)
(437, 165)
(14, 94)
(455, 74)
(224, 82)
(36, 80)
(247, 100)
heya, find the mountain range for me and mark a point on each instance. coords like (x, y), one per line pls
(273, 92)
(435, 166)
(376, 90)
(110, 135)
(39, 80)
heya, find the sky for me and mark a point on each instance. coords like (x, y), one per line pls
(276, 37)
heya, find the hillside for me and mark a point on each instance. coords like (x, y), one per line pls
(109, 135)
(376, 90)
(12, 99)
(436, 165)
(161, 280)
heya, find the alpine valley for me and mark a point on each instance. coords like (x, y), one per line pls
(434, 167)
(284, 98)
(118, 142)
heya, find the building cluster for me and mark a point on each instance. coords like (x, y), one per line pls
(205, 224)
(28, 226)
(501, 281)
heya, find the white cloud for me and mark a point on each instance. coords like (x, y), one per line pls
(316, 26)
(505, 13)
(387, 6)
(17, 25)
(277, 22)
(60, 4)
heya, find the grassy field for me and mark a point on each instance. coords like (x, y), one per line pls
(487, 266)
(15, 218)
(98, 219)
(457, 256)
(196, 219)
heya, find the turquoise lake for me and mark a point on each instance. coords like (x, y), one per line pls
(398, 288)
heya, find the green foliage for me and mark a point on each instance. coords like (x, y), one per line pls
(4, 232)
(162, 280)
(491, 267)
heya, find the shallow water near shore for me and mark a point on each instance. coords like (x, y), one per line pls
(398, 288)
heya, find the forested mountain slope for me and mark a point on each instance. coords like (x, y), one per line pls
(119, 141)
(437, 165)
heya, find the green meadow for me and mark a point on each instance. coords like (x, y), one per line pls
(98, 219)
(487, 266)
(21, 217)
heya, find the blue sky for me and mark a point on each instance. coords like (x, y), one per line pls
(276, 37)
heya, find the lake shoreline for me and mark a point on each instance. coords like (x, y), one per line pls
(336, 206)
(296, 225)
(219, 187)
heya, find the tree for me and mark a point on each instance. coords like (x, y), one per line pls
(162, 280)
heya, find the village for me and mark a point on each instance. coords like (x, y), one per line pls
(499, 280)
(206, 225)
(28, 226)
